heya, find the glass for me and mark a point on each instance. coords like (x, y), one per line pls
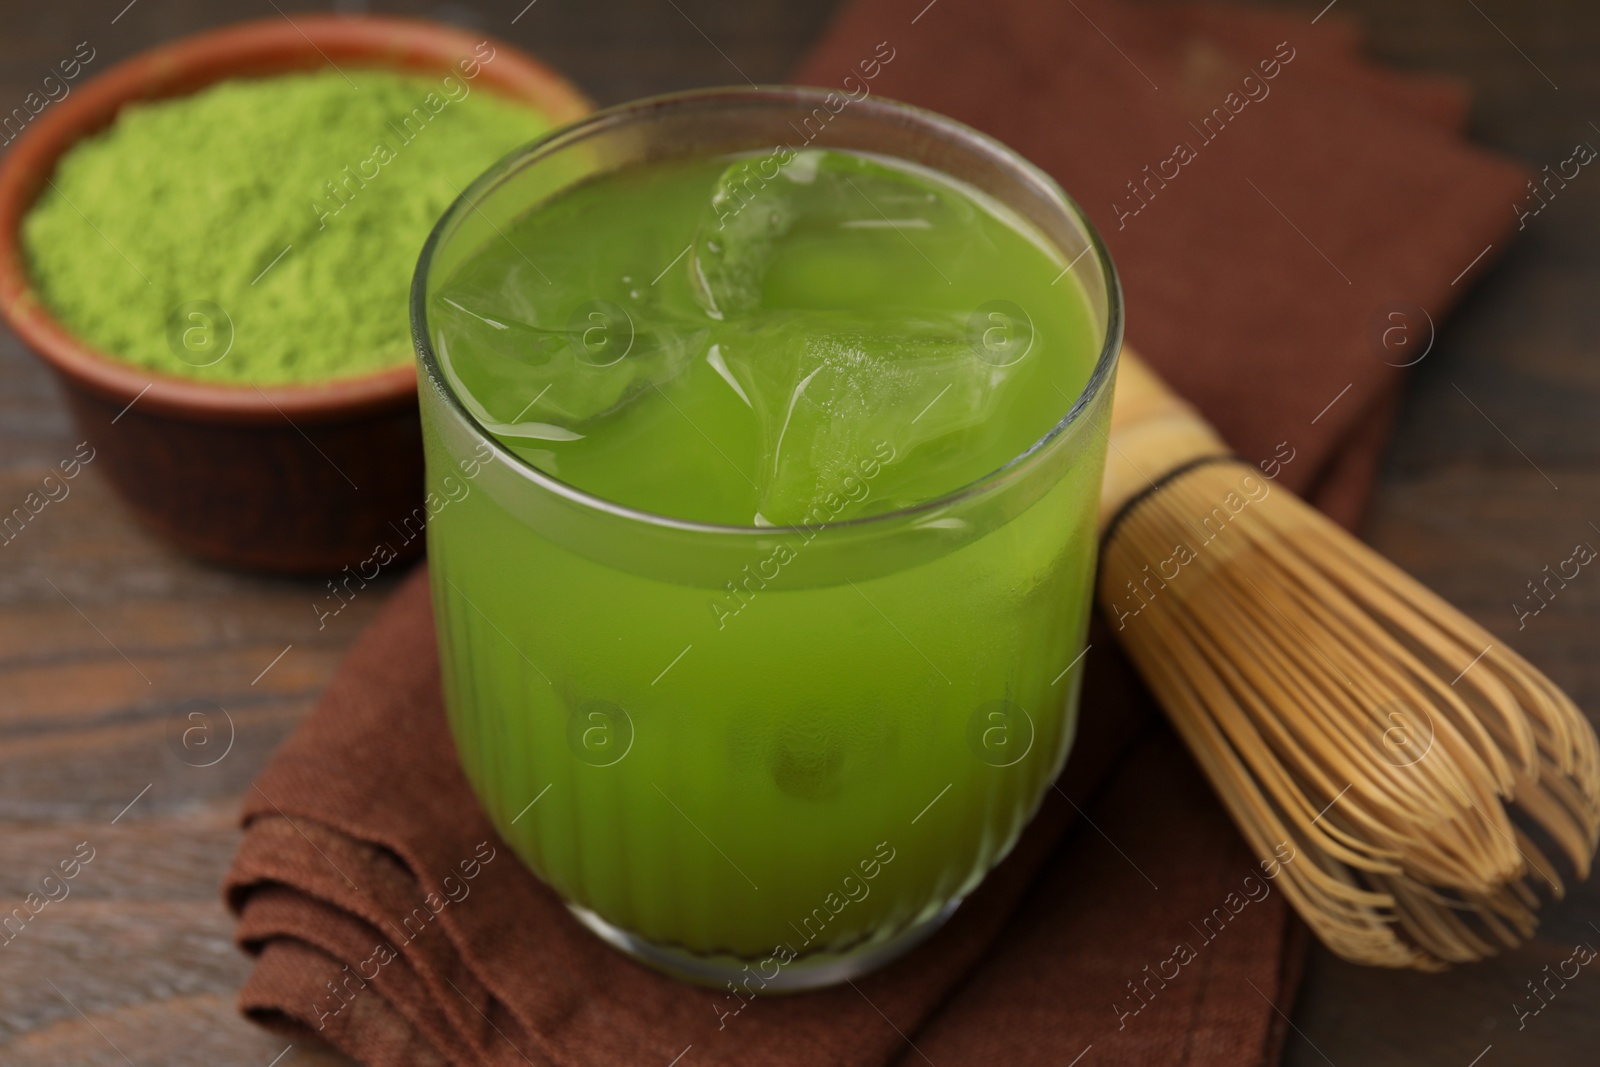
(792, 797)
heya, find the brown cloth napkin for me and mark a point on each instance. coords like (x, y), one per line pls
(1309, 204)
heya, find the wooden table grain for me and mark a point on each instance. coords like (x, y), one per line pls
(111, 645)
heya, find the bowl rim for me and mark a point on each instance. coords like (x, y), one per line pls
(181, 67)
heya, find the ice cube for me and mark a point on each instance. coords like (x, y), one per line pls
(526, 380)
(756, 203)
(840, 396)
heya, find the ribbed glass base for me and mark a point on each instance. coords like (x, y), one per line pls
(811, 971)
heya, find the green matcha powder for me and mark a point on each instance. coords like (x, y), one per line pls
(296, 204)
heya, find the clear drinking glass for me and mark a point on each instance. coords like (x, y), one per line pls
(797, 798)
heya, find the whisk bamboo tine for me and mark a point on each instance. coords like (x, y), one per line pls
(1371, 581)
(1438, 930)
(1276, 626)
(1235, 734)
(1251, 628)
(1341, 720)
(1284, 652)
(1543, 801)
(1280, 776)
(1532, 699)
(1278, 683)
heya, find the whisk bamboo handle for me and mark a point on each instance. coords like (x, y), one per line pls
(1153, 432)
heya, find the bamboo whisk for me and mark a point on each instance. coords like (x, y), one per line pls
(1337, 704)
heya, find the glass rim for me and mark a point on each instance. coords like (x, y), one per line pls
(951, 130)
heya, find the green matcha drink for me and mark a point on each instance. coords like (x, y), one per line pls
(759, 619)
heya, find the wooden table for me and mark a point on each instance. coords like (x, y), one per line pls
(108, 640)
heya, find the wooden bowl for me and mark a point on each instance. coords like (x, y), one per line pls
(294, 478)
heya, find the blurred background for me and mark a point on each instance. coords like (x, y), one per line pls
(1474, 499)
